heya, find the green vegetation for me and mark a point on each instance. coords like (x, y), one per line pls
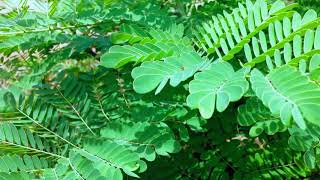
(159, 89)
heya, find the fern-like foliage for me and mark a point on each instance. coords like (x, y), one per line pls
(158, 46)
(294, 97)
(158, 73)
(255, 114)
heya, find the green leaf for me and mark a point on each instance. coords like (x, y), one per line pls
(308, 41)
(309, 158)
(255, 45)
(176, 69)
(314, 62)
(286, 27)
(317, 38)
(272, 36)
(120, 55)
(276, 6)
(218, 80)
(303, 66)
(251, 25)
(104, 157)
(298, 118)
(296, 21)
(143, 138)
(263, 41)
(309, 16)
(279, 30)
(286, 85)
(277, 58)
(253, 111)
(300, 142)
(297, 45)
(287, 52)
(256, 114)
(247, 51)
(9, 99)
(256, 130)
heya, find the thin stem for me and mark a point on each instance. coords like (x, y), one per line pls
(78, 114)
(226, 162)
(102, 110)
(191, 8)
(99, 158)
(74, 169)
(275, 167)
(130, 142)
(46, 128)
(126, 101)
(32, 149)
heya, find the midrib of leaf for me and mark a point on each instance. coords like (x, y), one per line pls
(133, 142)
(74, 169)
(259, 28)
(98, 97)
(100, 159)
(55, 134)
(272, 18)
(32, 149)
(77, 113)
(270, 168)
(280, 94)
(296, 60)
(281, 44)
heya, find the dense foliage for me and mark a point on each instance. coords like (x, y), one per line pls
(154, 89)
